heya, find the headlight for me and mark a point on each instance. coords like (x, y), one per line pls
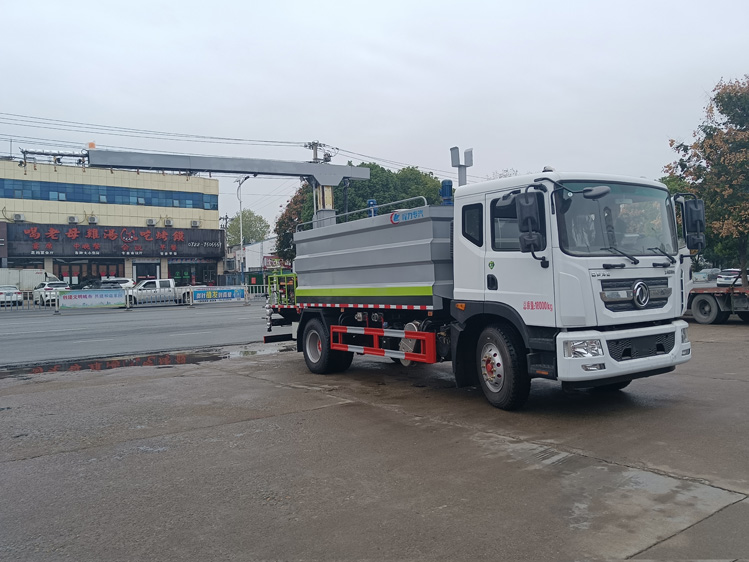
(684, 335)
(583, 348)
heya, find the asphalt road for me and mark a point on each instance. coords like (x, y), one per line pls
(37, 336)
(254, 458)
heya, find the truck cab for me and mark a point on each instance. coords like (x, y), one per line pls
(590, 281)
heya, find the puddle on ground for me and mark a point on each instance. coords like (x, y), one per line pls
(158, 360)
(232, 354)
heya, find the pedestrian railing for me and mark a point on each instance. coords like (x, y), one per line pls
(57, 301)
(257, 292)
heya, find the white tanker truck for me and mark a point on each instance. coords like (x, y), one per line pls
(574, 277)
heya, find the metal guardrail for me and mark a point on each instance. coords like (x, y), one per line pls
(367, 210)
(57, 301)
(257, 292)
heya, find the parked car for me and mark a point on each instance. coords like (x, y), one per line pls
(729, 277)
(699, 277)
(123, 282)
(712, 273)
(158, 291)
(10, 295)
(110, 285)
(112, 282)
(46, 293)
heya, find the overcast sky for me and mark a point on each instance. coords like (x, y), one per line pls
(578, 85)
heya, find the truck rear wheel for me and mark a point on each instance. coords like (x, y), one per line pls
(319, 357)
(341, 360)
(316, 347)
(705, 309)
(501, 372)
(744, 316)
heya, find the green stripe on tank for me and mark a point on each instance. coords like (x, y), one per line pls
(424, 290)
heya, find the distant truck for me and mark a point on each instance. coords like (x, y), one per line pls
(573, 277)
(151, 291)
(25, 279)
(713, 305)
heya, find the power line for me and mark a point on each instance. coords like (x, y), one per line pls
(20, 120)
(59, 124)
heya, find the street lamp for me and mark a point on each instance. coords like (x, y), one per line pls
(240, 181)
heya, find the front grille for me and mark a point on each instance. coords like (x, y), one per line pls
(637, 348)
(656, 286)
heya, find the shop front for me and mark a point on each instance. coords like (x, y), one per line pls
(76, 271)
(79, 253)
(193, 271)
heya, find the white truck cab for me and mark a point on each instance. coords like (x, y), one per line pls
(605, 283)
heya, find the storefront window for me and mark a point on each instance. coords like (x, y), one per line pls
(78, 271)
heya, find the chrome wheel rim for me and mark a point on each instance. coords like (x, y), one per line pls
(492, 368)
(313, 345)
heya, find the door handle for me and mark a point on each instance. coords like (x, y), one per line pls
(491, 283)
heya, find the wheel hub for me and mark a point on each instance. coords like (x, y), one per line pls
(492, 369)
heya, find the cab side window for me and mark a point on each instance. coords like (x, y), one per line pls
(505, 231)
(473, 223)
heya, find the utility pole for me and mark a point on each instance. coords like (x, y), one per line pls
(240, 181)
(314, 145)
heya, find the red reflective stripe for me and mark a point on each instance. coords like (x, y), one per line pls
(374, 351)
(365, 306)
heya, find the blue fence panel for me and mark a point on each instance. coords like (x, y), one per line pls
(218, 294)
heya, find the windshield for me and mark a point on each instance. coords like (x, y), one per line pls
(631, 218)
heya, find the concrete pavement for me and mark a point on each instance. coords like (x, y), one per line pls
(32, 337)
(253, 457)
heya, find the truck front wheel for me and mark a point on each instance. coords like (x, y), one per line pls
(503, 379)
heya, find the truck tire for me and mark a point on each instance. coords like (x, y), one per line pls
(501, 371)
(316, 348)
(341, 360)
(744, 316)
(722, 317)
(705, 309)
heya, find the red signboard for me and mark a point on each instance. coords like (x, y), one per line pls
(49, 240)
(274, 262)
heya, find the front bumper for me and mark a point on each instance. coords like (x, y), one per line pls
(571, 369)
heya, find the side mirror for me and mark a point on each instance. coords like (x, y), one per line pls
(531, 242)
(526, 205)
(694, 217)
(696, 241)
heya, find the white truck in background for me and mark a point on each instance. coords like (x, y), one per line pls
(575, 277)
(151, 291)
(25, 279)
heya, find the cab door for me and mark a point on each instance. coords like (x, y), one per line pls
(511, 278)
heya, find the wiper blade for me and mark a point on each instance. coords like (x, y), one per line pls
(633, 259)
(661, 252)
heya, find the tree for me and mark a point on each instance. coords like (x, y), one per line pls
(384, 186)
(254, 228)
(298, 210)
(716, 167)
